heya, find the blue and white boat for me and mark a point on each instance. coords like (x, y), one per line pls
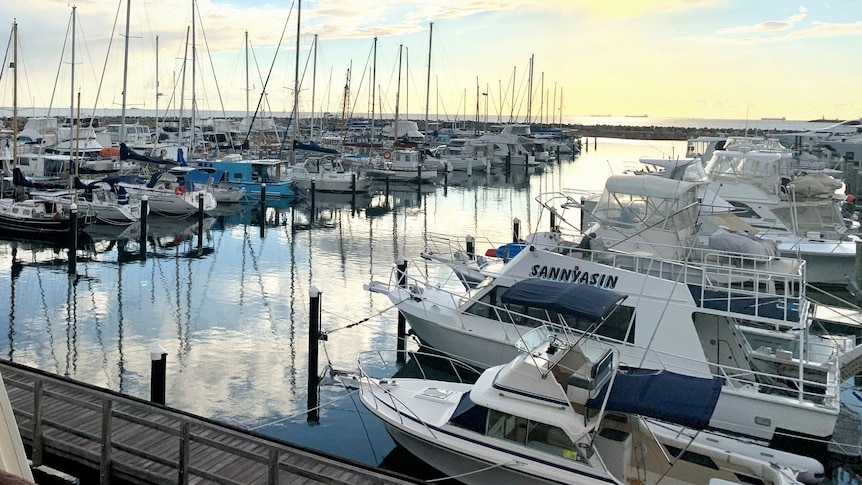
(553, 415)
(252, 174)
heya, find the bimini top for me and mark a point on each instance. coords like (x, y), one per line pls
(677, 398)
(647, 186)
(583, 301)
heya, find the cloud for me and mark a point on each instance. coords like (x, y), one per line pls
(769, 25)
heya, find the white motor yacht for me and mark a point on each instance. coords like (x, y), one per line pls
(554, 415)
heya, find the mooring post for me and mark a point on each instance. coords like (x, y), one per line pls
(516, 229)
(400, 345)
(262, 210)
(313, 202)
(387, 191)
(471, 247)
(353, 191)
(158, 373)
(470, 167)
(553, 220)
(313, 337)
(583, 213)
(73, 237)
(595, 142)
(144, 213)
(200, 222)
(858, 268)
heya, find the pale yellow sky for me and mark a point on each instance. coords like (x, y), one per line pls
(664, 58)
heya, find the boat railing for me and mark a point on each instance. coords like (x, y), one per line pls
(790, 384)
(450, 248)
(735, 283)
(438, 367)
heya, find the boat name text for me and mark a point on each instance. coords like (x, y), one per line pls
(574, 276)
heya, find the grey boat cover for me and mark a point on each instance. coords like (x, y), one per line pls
(583, 301)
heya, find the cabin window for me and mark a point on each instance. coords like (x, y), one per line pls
(616, 326)
(532, 434)
(490, 306)
(237, 176)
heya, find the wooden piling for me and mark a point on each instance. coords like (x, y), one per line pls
(144, 213)
(200, 222)
(313, 348)
(400, 344)
(583, 213)
(73, 237)
(313, 201)
(516, 229)
(858, 268)
(158, 374)
(471, 247)
(263, 210)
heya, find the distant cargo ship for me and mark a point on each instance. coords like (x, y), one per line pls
(773, 119)
(637, 116)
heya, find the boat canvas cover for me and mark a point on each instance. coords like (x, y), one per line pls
(583, 301)
(677, 398)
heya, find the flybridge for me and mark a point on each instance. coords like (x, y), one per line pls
(574, 275)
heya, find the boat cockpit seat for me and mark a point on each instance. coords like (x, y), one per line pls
(588, 379)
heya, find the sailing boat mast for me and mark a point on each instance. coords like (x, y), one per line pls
(72, 85)
(373, 88)
(158, 94)
(428, 78)
(183, 86)
(246, 79)
(125, 73)
(15, 94)
(192, 145)
(296, 86)
(313, 86)
(397, 96)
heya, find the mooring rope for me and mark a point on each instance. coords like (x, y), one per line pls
(358, 322)
(498, 465)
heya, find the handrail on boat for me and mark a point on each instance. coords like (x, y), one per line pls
(732, 375)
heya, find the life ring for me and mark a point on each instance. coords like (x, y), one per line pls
(387, 154)
(180, 190)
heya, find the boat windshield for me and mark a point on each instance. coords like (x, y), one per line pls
(533, 339)
(473, 292)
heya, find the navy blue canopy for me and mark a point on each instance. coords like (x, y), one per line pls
(583, 301)
(677, 398)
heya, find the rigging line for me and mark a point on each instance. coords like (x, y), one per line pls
(263, 90)
(306, 411)
(59, 64)
(6, 57)
(212, 65)
(107, 56)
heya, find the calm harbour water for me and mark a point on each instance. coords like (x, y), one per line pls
(233, 317)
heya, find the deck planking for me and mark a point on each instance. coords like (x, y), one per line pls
(147, 441)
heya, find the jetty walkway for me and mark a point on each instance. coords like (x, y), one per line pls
(103, 436)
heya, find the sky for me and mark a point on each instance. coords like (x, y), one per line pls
(509, 60)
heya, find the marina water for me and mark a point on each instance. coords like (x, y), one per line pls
(233, 316)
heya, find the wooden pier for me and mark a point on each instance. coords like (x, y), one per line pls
(104, 436)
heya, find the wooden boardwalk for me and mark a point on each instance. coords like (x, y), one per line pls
(102, 435)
